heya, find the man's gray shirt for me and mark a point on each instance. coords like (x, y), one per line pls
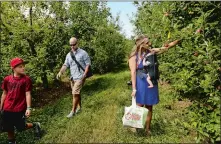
(83, 59)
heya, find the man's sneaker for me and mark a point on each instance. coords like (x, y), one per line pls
(71, 114)
(37, 130)
(78, 110)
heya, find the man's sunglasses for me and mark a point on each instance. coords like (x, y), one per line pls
(73, 44)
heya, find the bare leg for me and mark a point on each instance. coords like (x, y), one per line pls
(149, 118)
(29, 125)
(79, 104)
(11, 136)
(76, 101)
(149, 81)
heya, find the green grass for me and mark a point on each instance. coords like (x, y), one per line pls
(104, 98)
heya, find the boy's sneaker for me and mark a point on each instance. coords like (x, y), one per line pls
(12, 142)
(71, 114)
(37, 130)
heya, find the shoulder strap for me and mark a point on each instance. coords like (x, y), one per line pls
(74, 58)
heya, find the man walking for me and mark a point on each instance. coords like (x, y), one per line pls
(76, 57)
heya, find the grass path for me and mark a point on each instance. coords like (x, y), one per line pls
(104, 98)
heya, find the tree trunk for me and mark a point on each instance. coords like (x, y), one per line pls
(44, 78)
(31, 41)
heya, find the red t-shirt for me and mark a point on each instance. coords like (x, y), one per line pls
(16, 88)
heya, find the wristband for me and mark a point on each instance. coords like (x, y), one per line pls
(28, 108)
(134, 90)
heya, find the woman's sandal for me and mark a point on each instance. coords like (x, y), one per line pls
(148, 133)
(134, 130)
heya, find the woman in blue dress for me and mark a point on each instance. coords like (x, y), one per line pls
(145, 96)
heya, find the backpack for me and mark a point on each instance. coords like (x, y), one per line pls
(152, 68)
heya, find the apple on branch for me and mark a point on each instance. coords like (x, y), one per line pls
(166, 14)
(198, 31)
(196, 54)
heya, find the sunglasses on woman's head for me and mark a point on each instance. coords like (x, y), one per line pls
(73, 44)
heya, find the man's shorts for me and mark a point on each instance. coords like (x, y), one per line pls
(76, 86)
(13, 120)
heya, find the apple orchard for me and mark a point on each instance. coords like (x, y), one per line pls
(193, 67)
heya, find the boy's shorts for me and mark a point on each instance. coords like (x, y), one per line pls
(76, 86)
(13, 120)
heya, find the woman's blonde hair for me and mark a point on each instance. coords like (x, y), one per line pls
(139, 43)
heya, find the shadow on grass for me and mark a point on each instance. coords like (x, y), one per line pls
(157, 129)
(120, 68)
(43, 133)
(96, 85)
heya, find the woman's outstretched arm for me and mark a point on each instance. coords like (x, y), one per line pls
(132, 65)
(164, 49)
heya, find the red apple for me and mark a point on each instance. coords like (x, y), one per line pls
(198, 31)
(196, 54)
(166, 45)
(166, 14)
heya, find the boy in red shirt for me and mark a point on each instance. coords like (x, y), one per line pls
(16, 101)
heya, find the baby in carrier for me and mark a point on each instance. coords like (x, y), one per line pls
(146, 63)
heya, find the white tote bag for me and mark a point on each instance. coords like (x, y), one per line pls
(135, 116)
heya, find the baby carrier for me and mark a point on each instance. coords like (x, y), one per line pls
(152, 68)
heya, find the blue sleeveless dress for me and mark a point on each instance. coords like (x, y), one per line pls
(145, 95)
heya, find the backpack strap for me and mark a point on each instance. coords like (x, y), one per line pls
(74, 58)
